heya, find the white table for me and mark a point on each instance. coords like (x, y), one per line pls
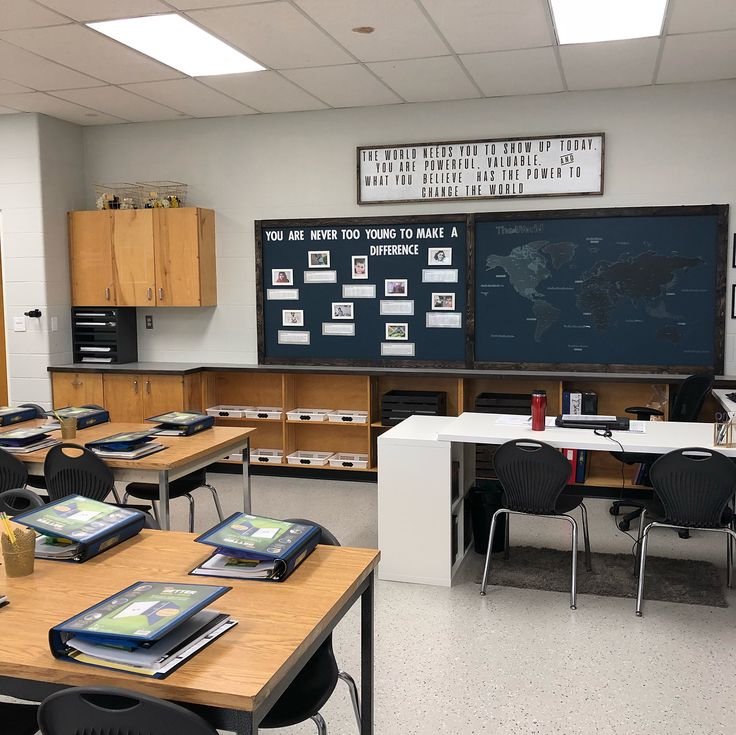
(416, 510)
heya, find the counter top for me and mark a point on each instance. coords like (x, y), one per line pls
(184, 368)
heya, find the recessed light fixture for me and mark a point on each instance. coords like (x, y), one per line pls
(179, 43)
(588, 21)
(364, 29)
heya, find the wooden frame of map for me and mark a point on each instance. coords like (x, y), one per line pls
(396, 250)
(606, 290)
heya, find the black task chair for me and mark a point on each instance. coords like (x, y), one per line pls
(533, 476)
(71, 469)
(18, 719)
(13, 473)
(693, 488)
(111, 711)
(181, 488)
(686, 407)
(314, 684)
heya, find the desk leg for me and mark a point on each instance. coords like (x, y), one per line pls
(366, 658)
(246, 477)
(163, 498)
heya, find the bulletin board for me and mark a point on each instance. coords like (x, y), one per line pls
(379, 291)
(619, 289)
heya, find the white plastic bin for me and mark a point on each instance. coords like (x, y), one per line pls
(308, 414)
(347, 416)
(309, 458)
(345, 460)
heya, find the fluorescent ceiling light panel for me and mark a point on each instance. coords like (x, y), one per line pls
(179, 43)
(588, 21)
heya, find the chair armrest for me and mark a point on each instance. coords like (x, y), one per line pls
(644, 413)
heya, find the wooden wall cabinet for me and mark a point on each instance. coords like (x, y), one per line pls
(134, 397)
(143, 257)
(77, 389)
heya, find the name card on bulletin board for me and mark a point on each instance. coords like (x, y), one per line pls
(555, 165)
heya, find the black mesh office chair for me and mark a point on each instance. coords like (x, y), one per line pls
(686, 407)
(71, 469)
(693, 487)
(18, 719)
(314, 684)
(533, 476)
(111, 711)
(180, 488)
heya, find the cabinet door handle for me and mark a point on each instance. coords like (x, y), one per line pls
(76, 383)
(160, 294)
(107, 294)
(149, 293)
(148, 386)
(135, 386)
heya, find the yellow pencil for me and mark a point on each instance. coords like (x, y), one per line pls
(8, 528)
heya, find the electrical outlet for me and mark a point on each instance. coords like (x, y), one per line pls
(149, 321)
(19, 324)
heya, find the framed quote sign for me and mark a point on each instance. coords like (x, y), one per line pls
(501, 168)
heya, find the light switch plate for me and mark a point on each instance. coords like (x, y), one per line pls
(19, 324)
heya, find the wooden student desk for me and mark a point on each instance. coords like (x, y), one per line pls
(183, 454)
(237, 679)
(424, 457)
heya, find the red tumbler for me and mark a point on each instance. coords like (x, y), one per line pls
(539, 409)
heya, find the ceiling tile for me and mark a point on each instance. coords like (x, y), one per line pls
(691, 16)
(402, 30)
(7, 87)
(627, 63)
(476, 26)
(528, 71)
(275, 34)
(90, 52)
(7, 111)
(120, 103)
(190, 96)
(714, 53)
(32, 71)
(194, 4)
(265, 91)
(343, 86)
(48, 105)
(87, 10)
(424, 80)
(27, 14)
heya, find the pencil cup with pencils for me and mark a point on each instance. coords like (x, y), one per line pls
(19, 548)
(68, 427)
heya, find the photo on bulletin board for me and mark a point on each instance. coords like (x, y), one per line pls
(373, 309)
(319, 258)
(360, 266)
(625, 289)
(443, 302)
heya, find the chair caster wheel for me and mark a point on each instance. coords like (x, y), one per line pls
(614, 511)
(624, 525)
(482, 594)
(683, 533)
(638, 613)
(573, 607)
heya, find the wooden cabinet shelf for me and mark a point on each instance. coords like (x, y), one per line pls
(143, 257)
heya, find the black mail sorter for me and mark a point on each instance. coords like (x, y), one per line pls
(397, 405)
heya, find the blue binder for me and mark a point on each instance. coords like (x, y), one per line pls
(85, 416)
(10, 415)
(183, 423)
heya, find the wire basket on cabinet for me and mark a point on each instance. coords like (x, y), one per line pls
(120, 195)
(162, 193)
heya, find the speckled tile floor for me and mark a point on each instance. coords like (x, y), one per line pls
(518, 662)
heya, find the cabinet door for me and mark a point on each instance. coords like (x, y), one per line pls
(77, 389)
(184, 245)
(124, 396)
(132, 256)
(90, 258)
(162, 393)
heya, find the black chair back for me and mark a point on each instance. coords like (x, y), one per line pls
(111, 711)
(40, 412)
(690, 398)
(694, 486)
(18, 501)
(532, 474)
(73, 470)
(13, 473)
(327, 538)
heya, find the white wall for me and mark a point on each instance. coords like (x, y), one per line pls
(40, 179)
(666, 145)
